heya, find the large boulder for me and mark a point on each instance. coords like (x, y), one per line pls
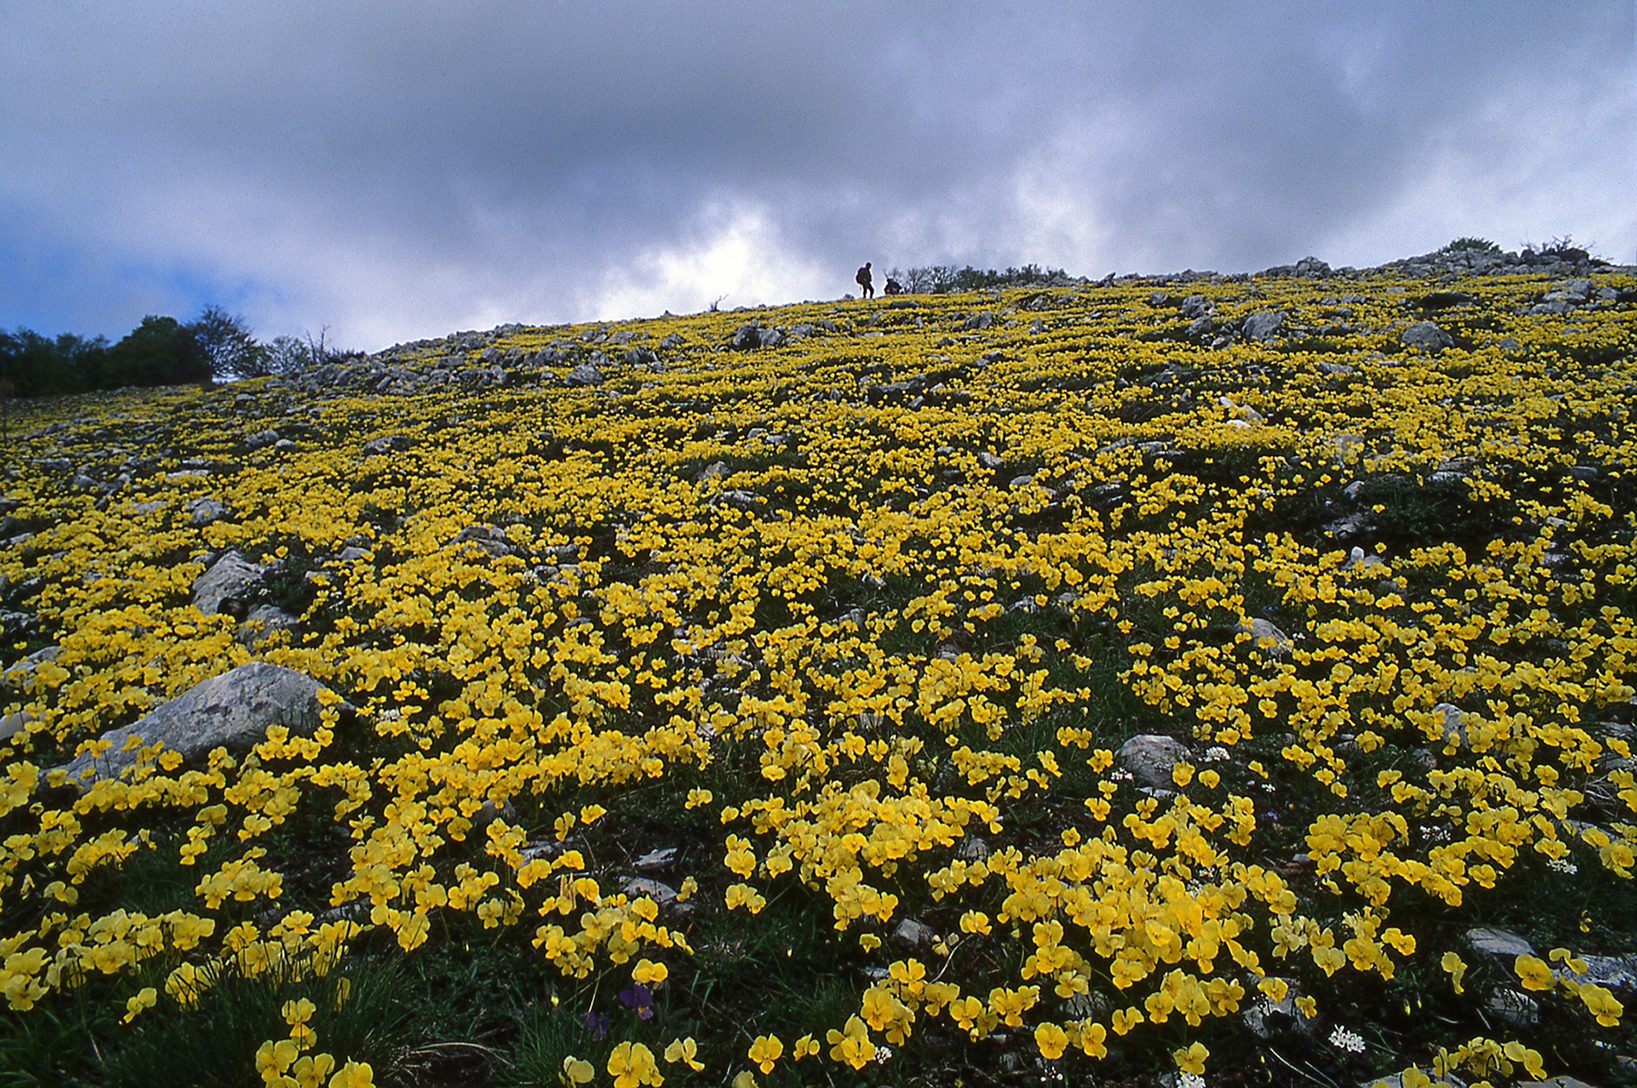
(226, 584)
(233, 711)
(1426, 335)
(1264, 325)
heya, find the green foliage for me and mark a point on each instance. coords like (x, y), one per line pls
(1468, 244)
(226, 342)
(357, 1012)
(946, 278)
(36, 366)
(160, 351)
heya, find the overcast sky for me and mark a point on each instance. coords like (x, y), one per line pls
(405, 169)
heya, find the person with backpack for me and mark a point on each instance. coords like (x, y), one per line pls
(863, 280)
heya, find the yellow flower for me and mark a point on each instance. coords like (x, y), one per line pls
(146, 998)
(1534, 973)
(1010, 1005)
(852, 1044)
(804, 1047)
(298, 1012)
(649, 973)
(632, 1064)
(1191, 1059)
(1601, 1004)
(1051, 1039)
(1093, 1038)
(354, 1075)
(766, 1050)
(686, 1051)
(580, 1071)
(1456, 968)
(310, 1070)
(273, 1058)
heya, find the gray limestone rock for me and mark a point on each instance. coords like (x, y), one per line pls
(1498, 942)
(1263, 325)
(1427, 335)
(1150, 756)
(1269, 639)
(226, 582)
(203, 511)
(638, 886)
(264, 622)
(913, 933)
(233, 711)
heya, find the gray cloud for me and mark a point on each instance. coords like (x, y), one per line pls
(400, 170)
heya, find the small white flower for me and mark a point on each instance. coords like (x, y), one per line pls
(1190, 1080)
(1216, 754)
(1350, 1041)
(1562, 865)
(882, 1053)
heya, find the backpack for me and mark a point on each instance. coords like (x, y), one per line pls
(862, 278)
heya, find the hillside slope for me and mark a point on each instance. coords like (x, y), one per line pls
(1229, 677)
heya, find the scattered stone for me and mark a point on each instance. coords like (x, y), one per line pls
(1449, 718)
(1351, 527)
(392, 443)
(222, 588)
(203, 511)
(491, 538)
(263, 623)
(1263, 325)
(489, 812)
(655, 860)
(1426, 335)
(1266, 1017)
(584, 374)
(1269, 639)
(1498, 942)
(913, 933)
(233, 711)
(1513, 1007)
(638, 886)
(1613, 972)
(1150, 756)
(14, 723)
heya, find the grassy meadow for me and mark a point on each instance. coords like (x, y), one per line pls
(752, 716)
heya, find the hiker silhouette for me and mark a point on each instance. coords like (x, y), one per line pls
(863, 280)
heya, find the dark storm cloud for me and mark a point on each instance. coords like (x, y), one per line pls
(400, 170)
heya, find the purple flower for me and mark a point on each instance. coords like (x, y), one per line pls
(596, 1023)
(640, 998)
